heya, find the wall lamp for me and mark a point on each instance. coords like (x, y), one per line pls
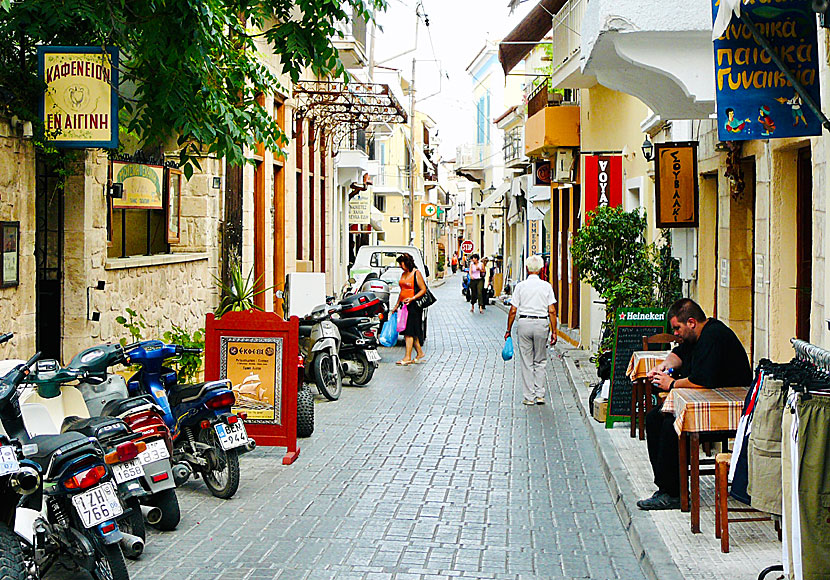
(91, 314)
(648, 149)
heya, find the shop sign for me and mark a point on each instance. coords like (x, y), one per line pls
(142, 185)
(360, 208)
(675, 178)
(541, 173)
(534, 235)
(253, 364)
(79, 107)
(603, 182)
(754, 98)
(429, 209)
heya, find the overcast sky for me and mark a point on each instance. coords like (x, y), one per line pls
(457, 31)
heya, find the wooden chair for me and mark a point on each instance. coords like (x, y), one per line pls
(663, 339)
(641, 393)
(722, 518)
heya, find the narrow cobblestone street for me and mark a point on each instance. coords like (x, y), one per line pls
(432, 471)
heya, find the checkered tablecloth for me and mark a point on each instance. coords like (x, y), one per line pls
(643, 361)
(699, 410)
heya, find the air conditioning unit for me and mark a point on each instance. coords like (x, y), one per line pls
(563, 165)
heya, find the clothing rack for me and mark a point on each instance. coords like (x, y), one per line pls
(811, 353)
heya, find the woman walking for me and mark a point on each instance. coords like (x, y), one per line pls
(477, 274)
(413, 286)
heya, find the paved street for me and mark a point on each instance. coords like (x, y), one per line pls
(433, 471)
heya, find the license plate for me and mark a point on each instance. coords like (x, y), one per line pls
(231, 436)
(373, 355)
(97, 505)
(156, 451)
(127, 471)
(8, 460)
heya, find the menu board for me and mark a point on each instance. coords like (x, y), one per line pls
(630, 326)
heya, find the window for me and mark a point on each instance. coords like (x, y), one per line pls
(513, 144)
(380, 202)
(384, 260)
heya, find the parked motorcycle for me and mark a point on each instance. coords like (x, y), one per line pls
(305, 402)
(358, 319)
(73, 513)
(320, 345)
(207, 436)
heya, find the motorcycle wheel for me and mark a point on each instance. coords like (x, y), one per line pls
(366, 373)
(327, 377)
(11, 555)
(168, 503)
(305, 412)
(223, 481)
(109, 562)
(133, 523)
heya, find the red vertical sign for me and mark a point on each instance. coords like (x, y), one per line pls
(603, 182)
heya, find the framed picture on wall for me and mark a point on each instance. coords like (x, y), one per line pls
(10, 262)
(174, 202)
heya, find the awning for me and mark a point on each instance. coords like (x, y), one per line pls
(422, 157)
(376, 220)
(491, 199)
(514, 211)
(521, 40)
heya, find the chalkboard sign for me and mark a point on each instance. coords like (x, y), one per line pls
(630, 326)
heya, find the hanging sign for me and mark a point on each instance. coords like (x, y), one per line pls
(142, 185)
(360, 208)
(79, 107)
(429, 209)
(675, 178)
(603, 182)
(754, 98)
(541, 173)
(534, 237)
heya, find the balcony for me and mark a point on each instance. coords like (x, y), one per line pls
(391, 179)
(352, 45)
(473, 157)
(659, 52)
(550, 129)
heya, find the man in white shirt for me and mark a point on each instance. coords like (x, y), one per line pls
(534, 303)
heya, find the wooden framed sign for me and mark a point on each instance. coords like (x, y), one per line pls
(174, 204)
(10, 252)
(675, 180)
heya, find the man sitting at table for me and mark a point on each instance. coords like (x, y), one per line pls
(709, 356)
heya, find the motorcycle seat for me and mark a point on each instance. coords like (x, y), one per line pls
(185, 393)
(305, 330)
(351, 322)
(122, 407)
(47, 445)
(98, 427)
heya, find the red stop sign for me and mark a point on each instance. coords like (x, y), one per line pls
(467, 247)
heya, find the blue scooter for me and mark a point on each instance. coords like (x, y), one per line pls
(207, 436)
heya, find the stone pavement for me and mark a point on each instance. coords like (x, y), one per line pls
(670, 550)
(433, 471)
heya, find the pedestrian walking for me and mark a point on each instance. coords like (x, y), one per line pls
(485, 286)
(477, 274)
(534, 304)
(412, 286)
(454, 263)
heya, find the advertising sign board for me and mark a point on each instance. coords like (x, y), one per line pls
(603, 183)
(675, 179)
(142, 185)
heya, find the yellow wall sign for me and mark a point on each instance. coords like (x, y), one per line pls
(80, 105)
(142, 185)
(254, 367)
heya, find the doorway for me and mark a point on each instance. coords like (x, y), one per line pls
(804, 244)
(49, 258)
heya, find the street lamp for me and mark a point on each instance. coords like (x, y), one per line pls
(648, 149)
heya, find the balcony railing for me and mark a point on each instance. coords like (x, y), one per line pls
(356, 141)
(514, 146)
(393, 177)
(566, 26)
(472, 156)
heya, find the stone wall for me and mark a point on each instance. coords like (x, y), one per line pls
(17, 203)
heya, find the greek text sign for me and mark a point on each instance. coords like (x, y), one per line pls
(534, 237)
(254, 367)
(603, 181)
(360, 208)
(754, 98)
(142, 185)
(80, 105)
(675, 178)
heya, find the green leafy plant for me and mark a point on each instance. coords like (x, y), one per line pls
(239, 293)
(135, 325)
(188, 365)
(669, 284)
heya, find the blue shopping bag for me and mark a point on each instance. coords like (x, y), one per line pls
(389, 332)
(507, 350)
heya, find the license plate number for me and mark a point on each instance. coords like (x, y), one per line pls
(156, 451)
(127, 471)
(231, 436)
(373, 355)
(97, 505)
(8, 460)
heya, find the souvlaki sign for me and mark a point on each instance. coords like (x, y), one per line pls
(79, 107)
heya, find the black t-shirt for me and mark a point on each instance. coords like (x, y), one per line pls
(717, 360)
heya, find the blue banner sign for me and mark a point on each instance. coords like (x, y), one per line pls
(754, 98)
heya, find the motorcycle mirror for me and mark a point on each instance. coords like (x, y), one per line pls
(352, 280)
(279, 294)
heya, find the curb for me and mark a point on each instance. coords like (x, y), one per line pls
(643, 535)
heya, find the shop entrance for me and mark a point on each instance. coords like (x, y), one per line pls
(49, 259)
(804, 244)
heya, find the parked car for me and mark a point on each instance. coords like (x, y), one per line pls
(381, 262)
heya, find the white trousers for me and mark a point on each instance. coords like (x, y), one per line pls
(531, 340)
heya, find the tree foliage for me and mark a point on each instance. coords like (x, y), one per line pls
(191, 70)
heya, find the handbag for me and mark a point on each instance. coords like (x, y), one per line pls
(425, 301)
(389, 332)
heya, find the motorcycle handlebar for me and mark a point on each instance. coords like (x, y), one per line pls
(191, 350)
(6, 337)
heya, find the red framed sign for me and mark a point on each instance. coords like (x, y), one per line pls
(603, 183)
(257, 351)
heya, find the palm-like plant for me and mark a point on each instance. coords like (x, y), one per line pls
(239, 293)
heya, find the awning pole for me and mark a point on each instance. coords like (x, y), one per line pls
(799, 88)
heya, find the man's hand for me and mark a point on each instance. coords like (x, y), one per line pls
(661, 380)
(506, 335)
(658, 369)
(553, 337)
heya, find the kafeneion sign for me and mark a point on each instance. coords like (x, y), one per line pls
(675, 178)
(142, 185)
(79, 108)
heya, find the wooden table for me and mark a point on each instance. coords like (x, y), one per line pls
(642, 361)
(708, 414)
